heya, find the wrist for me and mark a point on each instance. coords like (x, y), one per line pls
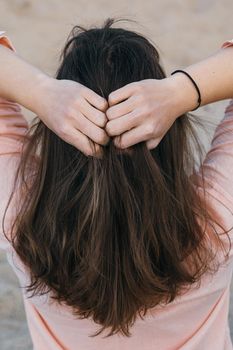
(20, 81)
(34, 100)
(184, 93)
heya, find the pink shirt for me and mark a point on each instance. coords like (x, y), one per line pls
(196, 321)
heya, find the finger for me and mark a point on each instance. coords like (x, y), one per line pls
(121, 94)
(96, 100)
(96, 116)
(121, 125)
(120, 109)
(130, 138)
(151, 144)
(88, 128)
(97, 150)
(80, 141)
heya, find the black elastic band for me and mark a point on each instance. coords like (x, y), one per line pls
(194, 83)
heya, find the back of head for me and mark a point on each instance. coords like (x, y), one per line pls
(111, 237)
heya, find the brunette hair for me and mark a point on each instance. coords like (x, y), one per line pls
(112, 237)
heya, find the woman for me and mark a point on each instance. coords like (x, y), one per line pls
(118, 241)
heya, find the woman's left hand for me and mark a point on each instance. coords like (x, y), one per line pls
(145, 110)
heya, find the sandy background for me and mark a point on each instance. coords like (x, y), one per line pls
(184, 30)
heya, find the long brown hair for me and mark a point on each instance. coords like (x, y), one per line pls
(114, 236)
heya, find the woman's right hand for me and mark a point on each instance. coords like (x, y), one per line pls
(71, 110)
(74, 112)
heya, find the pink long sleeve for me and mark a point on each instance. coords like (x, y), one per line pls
(13, 127)
(218, 164)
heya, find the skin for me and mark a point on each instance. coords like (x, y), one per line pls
(74, 112)
(151, 106)
(140, 111)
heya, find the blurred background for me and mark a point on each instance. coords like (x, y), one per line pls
(185, 31)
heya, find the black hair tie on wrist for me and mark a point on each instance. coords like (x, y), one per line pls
(194, 83)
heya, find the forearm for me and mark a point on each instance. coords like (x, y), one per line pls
(214, 77)
(19, 81)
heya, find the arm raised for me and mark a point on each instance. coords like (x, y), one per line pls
(150, 106)
(71, 110)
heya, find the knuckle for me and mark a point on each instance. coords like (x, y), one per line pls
(158, 127)
(102, 139)
(137, 114)
(103, 103)
(146, 109)
(111, 98)
(101, 118)
(99, 102)
(82, 90)
(63, 130)
(138, 87)
(109, 113)
(133, 85)
(149, 130)
(80, 101)
(68, 111)
(109, 129)
(138, 100)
